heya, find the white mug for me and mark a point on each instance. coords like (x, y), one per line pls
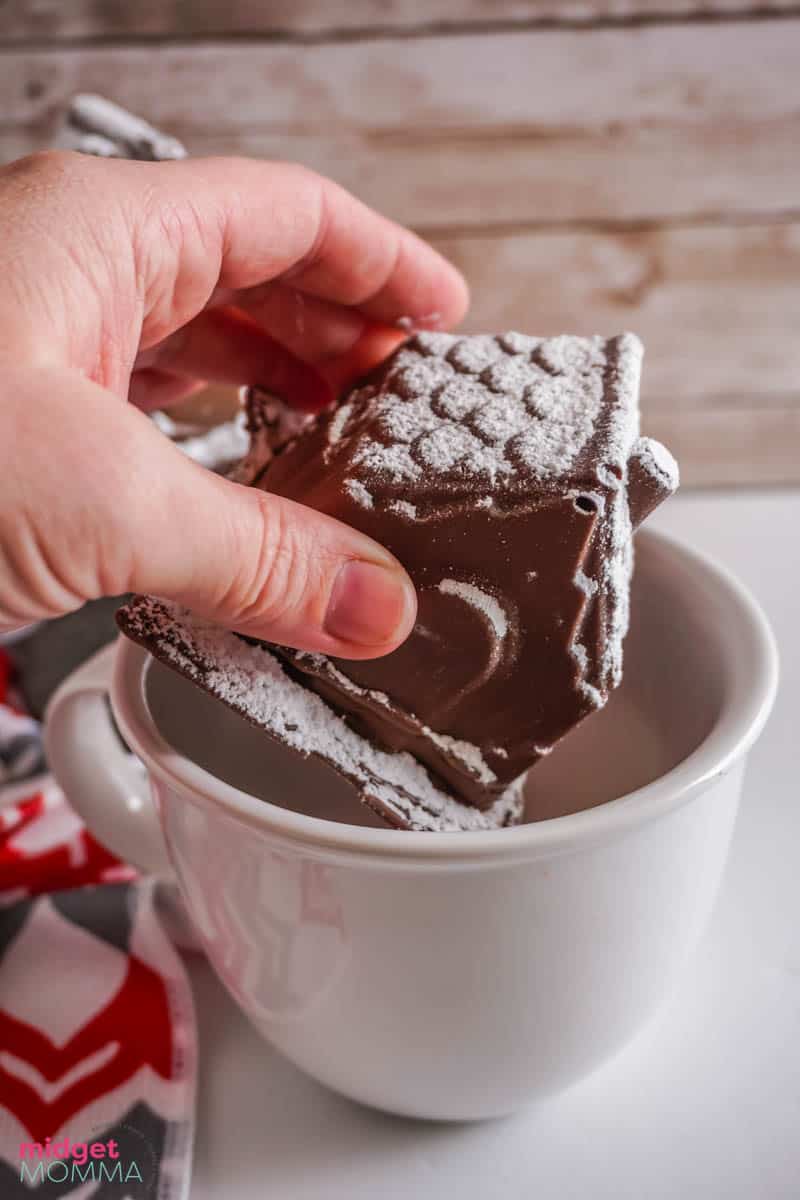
(453, 975)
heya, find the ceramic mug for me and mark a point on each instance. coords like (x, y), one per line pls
(454, 975)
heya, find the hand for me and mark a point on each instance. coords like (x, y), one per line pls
(140, 280)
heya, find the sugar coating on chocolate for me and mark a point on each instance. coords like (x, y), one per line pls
(497, 469)
(506, 411)
(338, 422)
(466, 753)
(483, 601)
(507, 474)
(250, 680)
(656, 459)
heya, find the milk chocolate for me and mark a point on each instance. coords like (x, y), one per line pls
(249, 679)
(507, 474)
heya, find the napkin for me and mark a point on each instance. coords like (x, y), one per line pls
(97, 1030)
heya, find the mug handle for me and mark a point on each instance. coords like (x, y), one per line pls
(105, 784)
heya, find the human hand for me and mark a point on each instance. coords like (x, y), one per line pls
(141, 280)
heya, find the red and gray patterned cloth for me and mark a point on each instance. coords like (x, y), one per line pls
(97, 1030)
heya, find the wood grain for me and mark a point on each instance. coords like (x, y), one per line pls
(84, 19)
(738, 447)
(623, 176)
(546, 81)
(494, 178)
(716, 308)
(472, 130)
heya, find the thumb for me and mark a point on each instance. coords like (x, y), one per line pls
(274, 569)
(131, 513)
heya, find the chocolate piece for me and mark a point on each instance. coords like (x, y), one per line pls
(652, 475)
(504, 473)
(271, 425)
(507, 474)
(250, 680)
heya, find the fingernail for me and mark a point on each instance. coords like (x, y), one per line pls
(369, 605)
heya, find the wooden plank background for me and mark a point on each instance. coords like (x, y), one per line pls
(592, 165)
(99, 19)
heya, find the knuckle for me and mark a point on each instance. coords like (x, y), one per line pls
(316, 211)
(43, 178)
(177, 252)
(304, 176)
(56, 168)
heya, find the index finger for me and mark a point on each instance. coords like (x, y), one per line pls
(244, 222)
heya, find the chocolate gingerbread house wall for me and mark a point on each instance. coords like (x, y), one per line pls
(592, 165)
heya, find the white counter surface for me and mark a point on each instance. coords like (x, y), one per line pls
(704, 1105)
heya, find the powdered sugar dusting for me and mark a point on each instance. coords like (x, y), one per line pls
(617, 566)
(392, 462)
(447, 446)
(500, 418)
(487, 605)
(414, 375)
(458, 399)
(401, 422)
(482, 407)
(566, 355)
(518, 343)
(475, 354)
(250, 680)
(656, 459)
(325, 667)
(597, 500)
(404, 509)
(467, 754)
(606, 476)
(437, 344)
(356, 490)
(338, 422)
(585, 584)
(507, 416)
(592, 694)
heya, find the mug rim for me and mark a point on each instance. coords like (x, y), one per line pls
(749, 698)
